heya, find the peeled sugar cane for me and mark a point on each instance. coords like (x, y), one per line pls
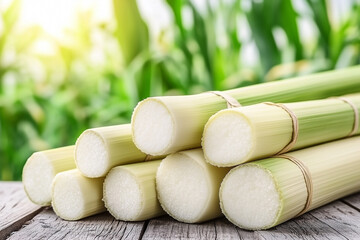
(163, 125)
(40, 170)
(130, 194)
(75, 197)
(188, 186)
(100, 149)
(264, 193)
(237, 135)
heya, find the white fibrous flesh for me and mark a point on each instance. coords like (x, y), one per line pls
(91, 153)
(37, 178)
(153, 127)
(227, 139)
(68, 200)
(182, 187)
(249, 197)
(122, 195)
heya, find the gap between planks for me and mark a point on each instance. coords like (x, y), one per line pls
(337, 220)
(46, 225)
(353, 201)
(15, 208)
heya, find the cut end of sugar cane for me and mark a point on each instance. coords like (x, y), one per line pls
(129, 192)
(227, 138)
(75, 197)
(188, 187)
(234, 136)
(68, 202)
(98, 150)
(182, 187)
(153, 127)
(37, 177)
(249, 197)
(91, 154)
(122, 195)
(40, 170)
(164, 125)
(268, 192)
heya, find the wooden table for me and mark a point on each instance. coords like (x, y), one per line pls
(20, 219)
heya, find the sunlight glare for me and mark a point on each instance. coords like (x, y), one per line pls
(56, 16)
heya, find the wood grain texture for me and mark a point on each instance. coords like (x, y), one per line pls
(15, 207)
(337, 220)
(221, 228)
(333, 221)
(166, 228)
(46, 225)
(353, 201)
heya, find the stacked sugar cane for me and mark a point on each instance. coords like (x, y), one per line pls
(260, 155)
(104, 170)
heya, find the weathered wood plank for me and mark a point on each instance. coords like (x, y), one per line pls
(338, 220)
(15, 207)
(165, 228)
(333, 221)
(353, 201)
(46, 225)
(226, 230)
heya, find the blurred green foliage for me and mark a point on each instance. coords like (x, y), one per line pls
(47, 100)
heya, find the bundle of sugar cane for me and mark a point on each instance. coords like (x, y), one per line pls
(237, 135)
(163, 125)
(265, 193)
(188, 186)
(129, 192)
(40, 170)
(75, 197)
(100, 149)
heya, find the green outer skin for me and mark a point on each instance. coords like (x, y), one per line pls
(319, 121)
(187, 114)
(335, 172)
(199, 108)
(278, 170)
(214, 177)
(328, 120)
(144, 173)
(261, 133)
(119, 146)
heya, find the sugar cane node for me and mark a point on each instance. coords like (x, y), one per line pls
(356, 115)
(230, 101)
(307, 177)
(295, 124)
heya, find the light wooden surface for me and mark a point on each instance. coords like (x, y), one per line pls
(20, 219)
(15, 208)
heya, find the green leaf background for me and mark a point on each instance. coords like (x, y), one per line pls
(46, 101)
